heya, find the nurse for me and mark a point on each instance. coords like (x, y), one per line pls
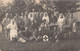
(13, 30)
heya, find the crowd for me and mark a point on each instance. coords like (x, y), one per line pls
(34, 26)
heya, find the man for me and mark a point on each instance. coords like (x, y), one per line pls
(27, 21)
(21, 22)
(16, 18)
(56, 15)
(5, 22)
(30, 16)
(13, 30)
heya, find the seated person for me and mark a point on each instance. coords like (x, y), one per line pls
(25, 35)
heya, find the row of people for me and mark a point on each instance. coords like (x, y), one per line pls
(32, 23)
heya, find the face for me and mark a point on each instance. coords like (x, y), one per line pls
(61, 16)
(12, 22)
(26, 28)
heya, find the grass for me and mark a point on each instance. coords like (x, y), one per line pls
(62, 45)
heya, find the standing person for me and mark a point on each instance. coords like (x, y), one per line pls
(27, 21)
(70, 22)
(61, 22)
(13, 30)
(5, 22)
(16, 18)
(45, 17)
(30, 16)
(41, 15)
(22, 17)
(21, 22)
(56, 15)
(39, 18)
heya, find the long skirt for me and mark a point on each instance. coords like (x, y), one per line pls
(13, 34)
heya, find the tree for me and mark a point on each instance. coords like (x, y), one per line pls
(62, 6)
(2, 10)
(18, 6)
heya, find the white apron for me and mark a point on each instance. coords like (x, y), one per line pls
(74, 27)
(13, 30)
(60, 22)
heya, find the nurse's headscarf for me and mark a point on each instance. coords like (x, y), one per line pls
(61, 16)
(13, 22)
(45, 14)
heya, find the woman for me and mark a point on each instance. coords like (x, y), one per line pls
(46, 17)
(13, 30)
(61, 22)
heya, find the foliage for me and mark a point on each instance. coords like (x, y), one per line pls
(62, 6)
(2, 10)
(19, 6)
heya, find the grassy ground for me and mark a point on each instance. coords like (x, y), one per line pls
(66, 45)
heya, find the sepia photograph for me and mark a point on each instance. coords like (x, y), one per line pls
(39, 25)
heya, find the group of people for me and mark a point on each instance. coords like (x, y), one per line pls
(33, 25)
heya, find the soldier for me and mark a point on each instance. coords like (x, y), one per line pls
(5, 22)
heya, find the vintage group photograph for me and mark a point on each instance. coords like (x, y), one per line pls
(39, 25)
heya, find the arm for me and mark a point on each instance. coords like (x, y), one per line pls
(3, 20)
